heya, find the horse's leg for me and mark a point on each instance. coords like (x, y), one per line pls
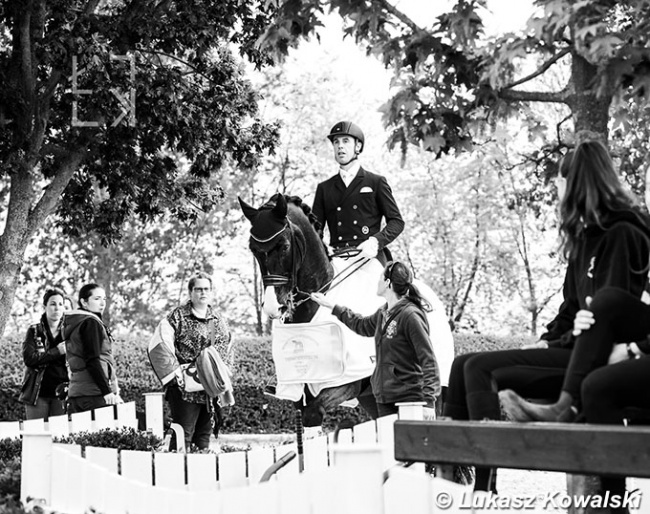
(367, 398)
(332, 397)
(326, 400)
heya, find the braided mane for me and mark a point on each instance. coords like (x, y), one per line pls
(306, 209)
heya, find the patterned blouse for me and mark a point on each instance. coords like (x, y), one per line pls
(192, 334)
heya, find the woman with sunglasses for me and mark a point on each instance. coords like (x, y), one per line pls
(406, 368)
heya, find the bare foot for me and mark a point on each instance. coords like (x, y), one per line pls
(520, 410)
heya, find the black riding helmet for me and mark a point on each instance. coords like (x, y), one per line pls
(347, 128)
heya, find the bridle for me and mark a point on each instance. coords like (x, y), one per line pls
(297, 257)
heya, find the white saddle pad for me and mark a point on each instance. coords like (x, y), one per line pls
(308, 352)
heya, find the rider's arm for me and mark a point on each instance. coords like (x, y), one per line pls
(390, 211)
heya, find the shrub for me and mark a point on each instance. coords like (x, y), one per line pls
(10, 448)
(252, 371)
(9, 482)
(10, 505)
(123, 439)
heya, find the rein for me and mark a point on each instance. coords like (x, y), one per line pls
(357, 266)
(272, 280)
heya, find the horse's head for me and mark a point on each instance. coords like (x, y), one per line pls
(279, 247)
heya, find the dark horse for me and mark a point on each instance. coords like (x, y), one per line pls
(286, 241)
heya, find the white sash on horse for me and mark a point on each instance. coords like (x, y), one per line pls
(325, 353)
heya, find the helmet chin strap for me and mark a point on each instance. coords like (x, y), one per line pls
(356, 156)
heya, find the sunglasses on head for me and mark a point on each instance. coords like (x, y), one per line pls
(388, 274)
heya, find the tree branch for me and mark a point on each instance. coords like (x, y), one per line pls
(190, 66)
(53, 191)
(533, 96)
(541, 70)
(90, 7)
(388, 7)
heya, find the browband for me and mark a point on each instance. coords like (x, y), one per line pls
(270, 238)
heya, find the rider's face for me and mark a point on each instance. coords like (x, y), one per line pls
(345, 148)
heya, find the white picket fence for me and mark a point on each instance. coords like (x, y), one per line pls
(357, 474)
(112, 417)
(344, 476)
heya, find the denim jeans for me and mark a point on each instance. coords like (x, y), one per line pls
(195, 418)
(44, 408)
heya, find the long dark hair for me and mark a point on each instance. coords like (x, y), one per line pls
(401, 279)
(593, 190)
(54, 291)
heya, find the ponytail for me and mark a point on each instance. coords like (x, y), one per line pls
(401, 279)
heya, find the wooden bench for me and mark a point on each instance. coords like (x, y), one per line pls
(572, 448)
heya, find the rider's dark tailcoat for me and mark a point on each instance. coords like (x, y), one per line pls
(353, 214)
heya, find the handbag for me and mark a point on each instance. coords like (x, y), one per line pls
(192, 380)
(31, 385)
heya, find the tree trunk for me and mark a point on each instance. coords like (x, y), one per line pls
(589, 108)
(14, 241)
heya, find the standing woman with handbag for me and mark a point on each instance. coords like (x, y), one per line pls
(173, 350)
(44, 357)
(89, 350)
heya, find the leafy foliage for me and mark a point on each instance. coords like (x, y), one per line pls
(10, 486)
(123, 439)
(158, 103)
(453, 76)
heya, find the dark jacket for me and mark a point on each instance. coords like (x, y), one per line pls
(89, 350)
(45, 364)
(406, 369)
(353, 214)
(615, 255)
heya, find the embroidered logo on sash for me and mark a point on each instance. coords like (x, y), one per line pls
(391, 330)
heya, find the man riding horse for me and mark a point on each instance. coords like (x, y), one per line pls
(353, 202)
(286, 239)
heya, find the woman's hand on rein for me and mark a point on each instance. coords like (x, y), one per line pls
(320, 299)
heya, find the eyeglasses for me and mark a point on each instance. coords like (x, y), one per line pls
(202, 289)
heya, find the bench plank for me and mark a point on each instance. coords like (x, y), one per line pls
(572, 448)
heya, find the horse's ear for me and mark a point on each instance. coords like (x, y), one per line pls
(249, 211)
(280, 209)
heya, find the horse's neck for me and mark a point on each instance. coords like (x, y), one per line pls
(315, 272)
(314, 278)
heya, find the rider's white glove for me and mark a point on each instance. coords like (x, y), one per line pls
(369, 247)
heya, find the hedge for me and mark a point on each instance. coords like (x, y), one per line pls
(253, 412)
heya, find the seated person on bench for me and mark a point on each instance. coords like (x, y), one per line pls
(606, 378)
(605, 241)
